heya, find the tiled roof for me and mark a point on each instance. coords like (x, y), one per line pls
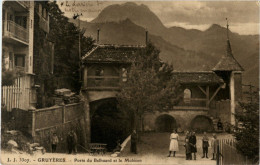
(112, 53)
(203, 77)
(228, 62)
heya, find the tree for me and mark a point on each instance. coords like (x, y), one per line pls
(64, 35)
(247, 134)
(149, 86)
(9, 75)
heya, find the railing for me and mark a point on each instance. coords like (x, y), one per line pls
(24, 3)
(193, 102)
(100, 82)
(20, 68)
(229, 153)
(16, 31)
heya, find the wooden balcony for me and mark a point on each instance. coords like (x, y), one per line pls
(20, 69)
(15, 32)
(103, 83)
(192, 104)
(44, 24)
(18, 6)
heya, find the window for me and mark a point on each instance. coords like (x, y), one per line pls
(3, 54)
(20, 60)
(21, 20)
(99, 73)
(124, 74)
(187, 96)
(24, 22)
(40, 9)
(10, 17)
(44, 13)
(11, 60)
(3, 14)
(3, 59)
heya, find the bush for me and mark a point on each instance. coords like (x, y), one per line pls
(247, 131)
(8, 78)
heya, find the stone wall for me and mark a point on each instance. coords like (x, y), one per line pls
(48, 117)
(22, 120)
(223, 111)
(42, 123)
(43, 136)
(182, 117)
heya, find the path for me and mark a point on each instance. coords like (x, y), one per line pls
(153, 149)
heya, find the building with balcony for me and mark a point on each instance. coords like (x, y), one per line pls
(17, 52)
(208, 96)
(18, 39)
(105, 66)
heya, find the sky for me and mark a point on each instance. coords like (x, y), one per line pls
(243, 16)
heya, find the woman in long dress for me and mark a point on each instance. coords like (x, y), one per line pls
(174, 146)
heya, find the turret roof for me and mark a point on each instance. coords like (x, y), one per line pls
(228, 62)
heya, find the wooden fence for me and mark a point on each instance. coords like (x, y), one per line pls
(229, 153)
(17, 96)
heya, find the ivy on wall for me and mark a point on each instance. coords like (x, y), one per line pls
(65, 38)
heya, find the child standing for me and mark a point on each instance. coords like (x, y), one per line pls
(54, 143)
(188, 149)
(205, 145)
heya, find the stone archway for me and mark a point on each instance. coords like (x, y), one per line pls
(202, 123)
(165, 123)
(108, 123)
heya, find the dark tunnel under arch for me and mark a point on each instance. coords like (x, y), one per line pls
(108, 123)
(165, 123)
(202, 123)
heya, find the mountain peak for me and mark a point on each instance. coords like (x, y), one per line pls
(134, 5)
(129, 4)
(140, 15)
(215, 27)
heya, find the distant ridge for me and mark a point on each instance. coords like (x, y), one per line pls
(185, 49)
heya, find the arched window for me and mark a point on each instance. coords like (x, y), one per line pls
(124, 74)
(99, 73)
(187, 95)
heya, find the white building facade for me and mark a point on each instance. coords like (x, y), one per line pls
(17, 53)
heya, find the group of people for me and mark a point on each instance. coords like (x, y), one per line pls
(190, 145)
(72, 141)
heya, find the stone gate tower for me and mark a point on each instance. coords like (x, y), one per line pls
(231, 72)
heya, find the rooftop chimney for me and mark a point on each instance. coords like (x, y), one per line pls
(98, 35)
